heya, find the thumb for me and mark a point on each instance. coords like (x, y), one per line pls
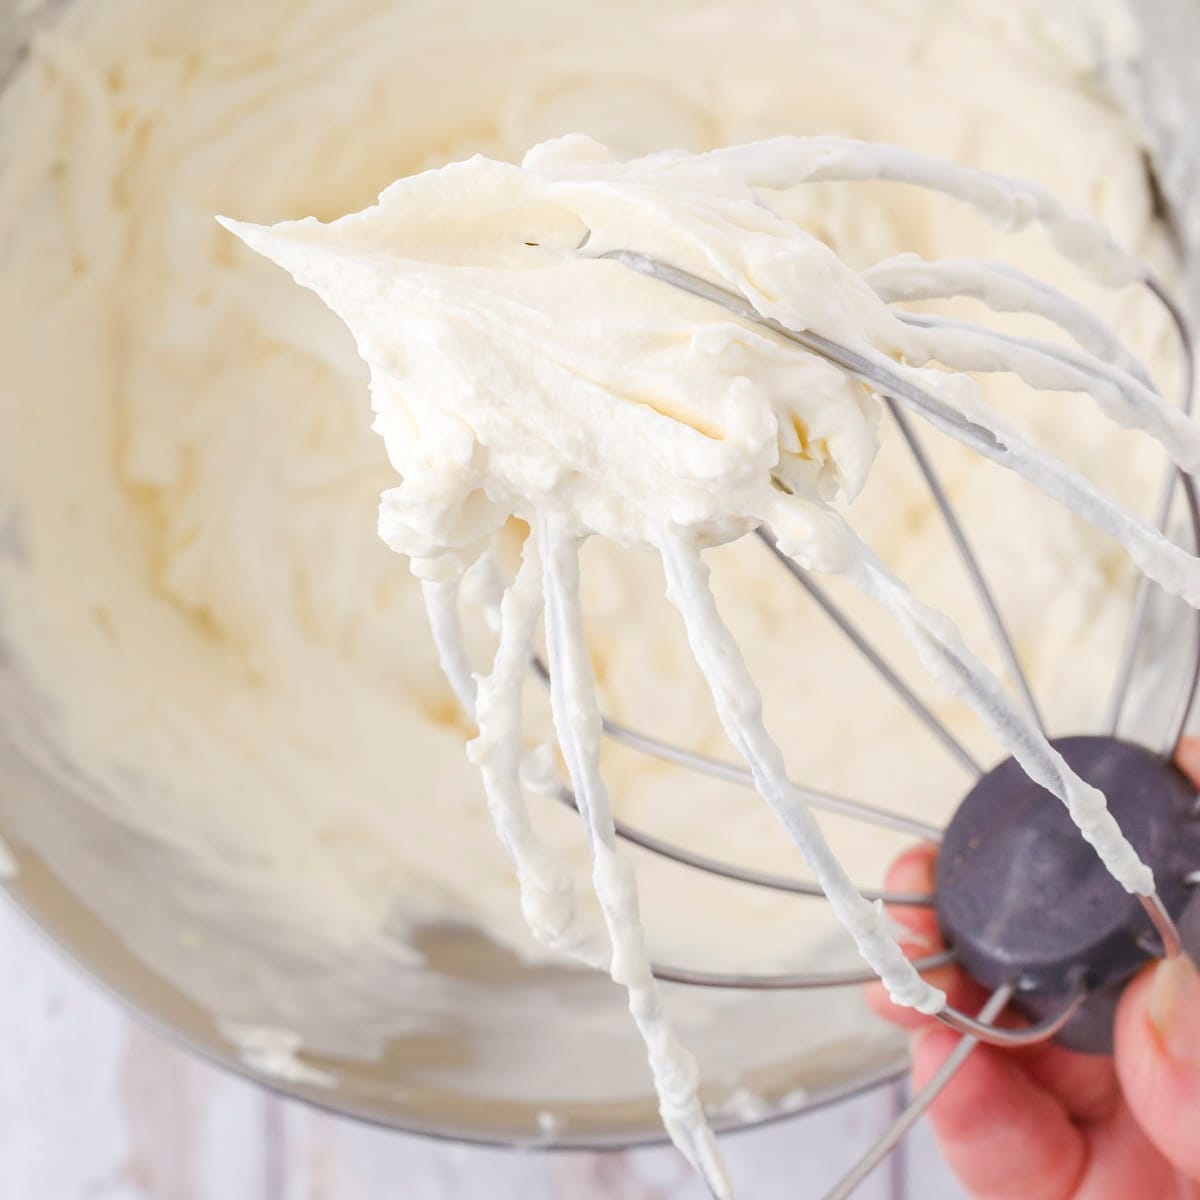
(1158, 1058)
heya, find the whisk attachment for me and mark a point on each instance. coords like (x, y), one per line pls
(1065, 980)
(737, 457)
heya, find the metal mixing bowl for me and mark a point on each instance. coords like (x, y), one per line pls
(794, 1050)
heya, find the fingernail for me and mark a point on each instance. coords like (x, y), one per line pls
(1174, 1008)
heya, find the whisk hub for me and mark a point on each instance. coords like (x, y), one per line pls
(1022, 898)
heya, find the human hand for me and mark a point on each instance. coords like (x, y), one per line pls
(1047, 1123)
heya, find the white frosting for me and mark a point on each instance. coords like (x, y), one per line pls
(577, 723)
(506, 767)
(630, 406)
(273, 1053)
(194, 486)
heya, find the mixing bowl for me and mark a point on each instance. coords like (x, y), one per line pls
(484, 1034)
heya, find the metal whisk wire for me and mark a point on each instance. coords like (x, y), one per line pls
(1137, 625)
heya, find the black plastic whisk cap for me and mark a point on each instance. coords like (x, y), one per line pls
(1022, 898)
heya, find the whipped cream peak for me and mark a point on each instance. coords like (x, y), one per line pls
(513, 371)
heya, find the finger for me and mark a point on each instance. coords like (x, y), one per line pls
(1158, 1058)
(1123, 1164)
(913, 872)
(1187, 758)
(1084, 1084)
(1001, 1133)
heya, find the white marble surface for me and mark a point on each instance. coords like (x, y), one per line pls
(93, 1107)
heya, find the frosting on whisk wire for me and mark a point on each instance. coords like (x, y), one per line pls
(514, 375)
